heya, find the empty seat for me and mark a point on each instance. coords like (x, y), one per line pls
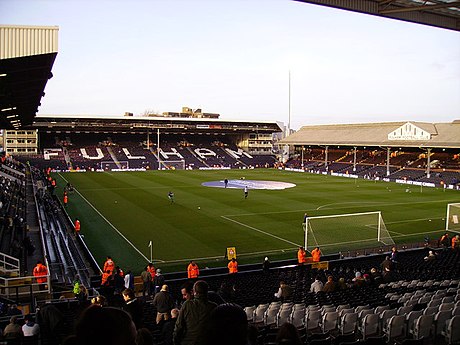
(312, 320)
(259, 313)
(348, 323)
(329, 321)
(297, 317)
(452, 331)
(250, 312)
(410, 319)
(440, 319)
(395, 328)
(422, 327)
(369, 326)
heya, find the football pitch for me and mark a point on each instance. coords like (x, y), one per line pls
(121, 213)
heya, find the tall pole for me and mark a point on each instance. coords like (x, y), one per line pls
(289, 106)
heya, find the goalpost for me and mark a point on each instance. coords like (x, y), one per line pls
(347, 231)
(172, 165)
(453, 217)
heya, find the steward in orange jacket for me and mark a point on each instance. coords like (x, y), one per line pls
(109, 265)
(316, 254)
(301, 256)
(192, 270)
(77, 226)
(105, 278)
(40, 272)
(233, 266)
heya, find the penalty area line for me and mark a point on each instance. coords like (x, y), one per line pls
(108, 222)
(261, 231)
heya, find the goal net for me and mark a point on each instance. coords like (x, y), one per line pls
(453, 217)
(111, 165)
(347, 231)
(172, 165)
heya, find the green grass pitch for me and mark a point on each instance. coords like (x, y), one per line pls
(121, 212)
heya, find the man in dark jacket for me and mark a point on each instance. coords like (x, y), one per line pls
(163, 303)
(194, 317)
(133, 307)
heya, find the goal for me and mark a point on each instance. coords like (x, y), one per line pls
(111, 165)
(347, 231)
(453, 217)
(172, 165)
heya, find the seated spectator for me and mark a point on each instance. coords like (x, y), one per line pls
(358, 280)
(330, 284)
(30, 328)
(13, 330)
(431, 256)
(99, 300)
(317, 285)
(284, 291)
(342, 285)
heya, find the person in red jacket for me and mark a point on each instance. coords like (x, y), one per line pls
(192, 270)
(66, 200)
(77, 226)
(40, 273)
(233, 266)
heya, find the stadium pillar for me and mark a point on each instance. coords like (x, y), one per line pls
(388, 160)
(428, 162)
(303, 149)
(325, 157)
(354, 159)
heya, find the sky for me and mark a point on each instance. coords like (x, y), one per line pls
(234, 57)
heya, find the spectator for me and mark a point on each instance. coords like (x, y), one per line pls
(146, 281)
(194, 316)
(330, 284)
(107, 325)
(266, 265)
(14, 310)
(158, 281)
(13, 330)
(228, 325)
(341, 284)
(30, 328)
(144, 337)
(168, 327)
(430, 257)
(99, 300)
(317, 285)
(129, 280)
(288, 335)
(284, 291)
(133, 307)
(186, 292)
(163, 303)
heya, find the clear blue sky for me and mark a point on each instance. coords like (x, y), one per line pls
(233, 58)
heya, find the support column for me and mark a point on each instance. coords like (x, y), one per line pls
(388, 161)
(325, 157)
(428, 162)
(354, 159)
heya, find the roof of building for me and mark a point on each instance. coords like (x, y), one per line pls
(387, 134)
(439, 13)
